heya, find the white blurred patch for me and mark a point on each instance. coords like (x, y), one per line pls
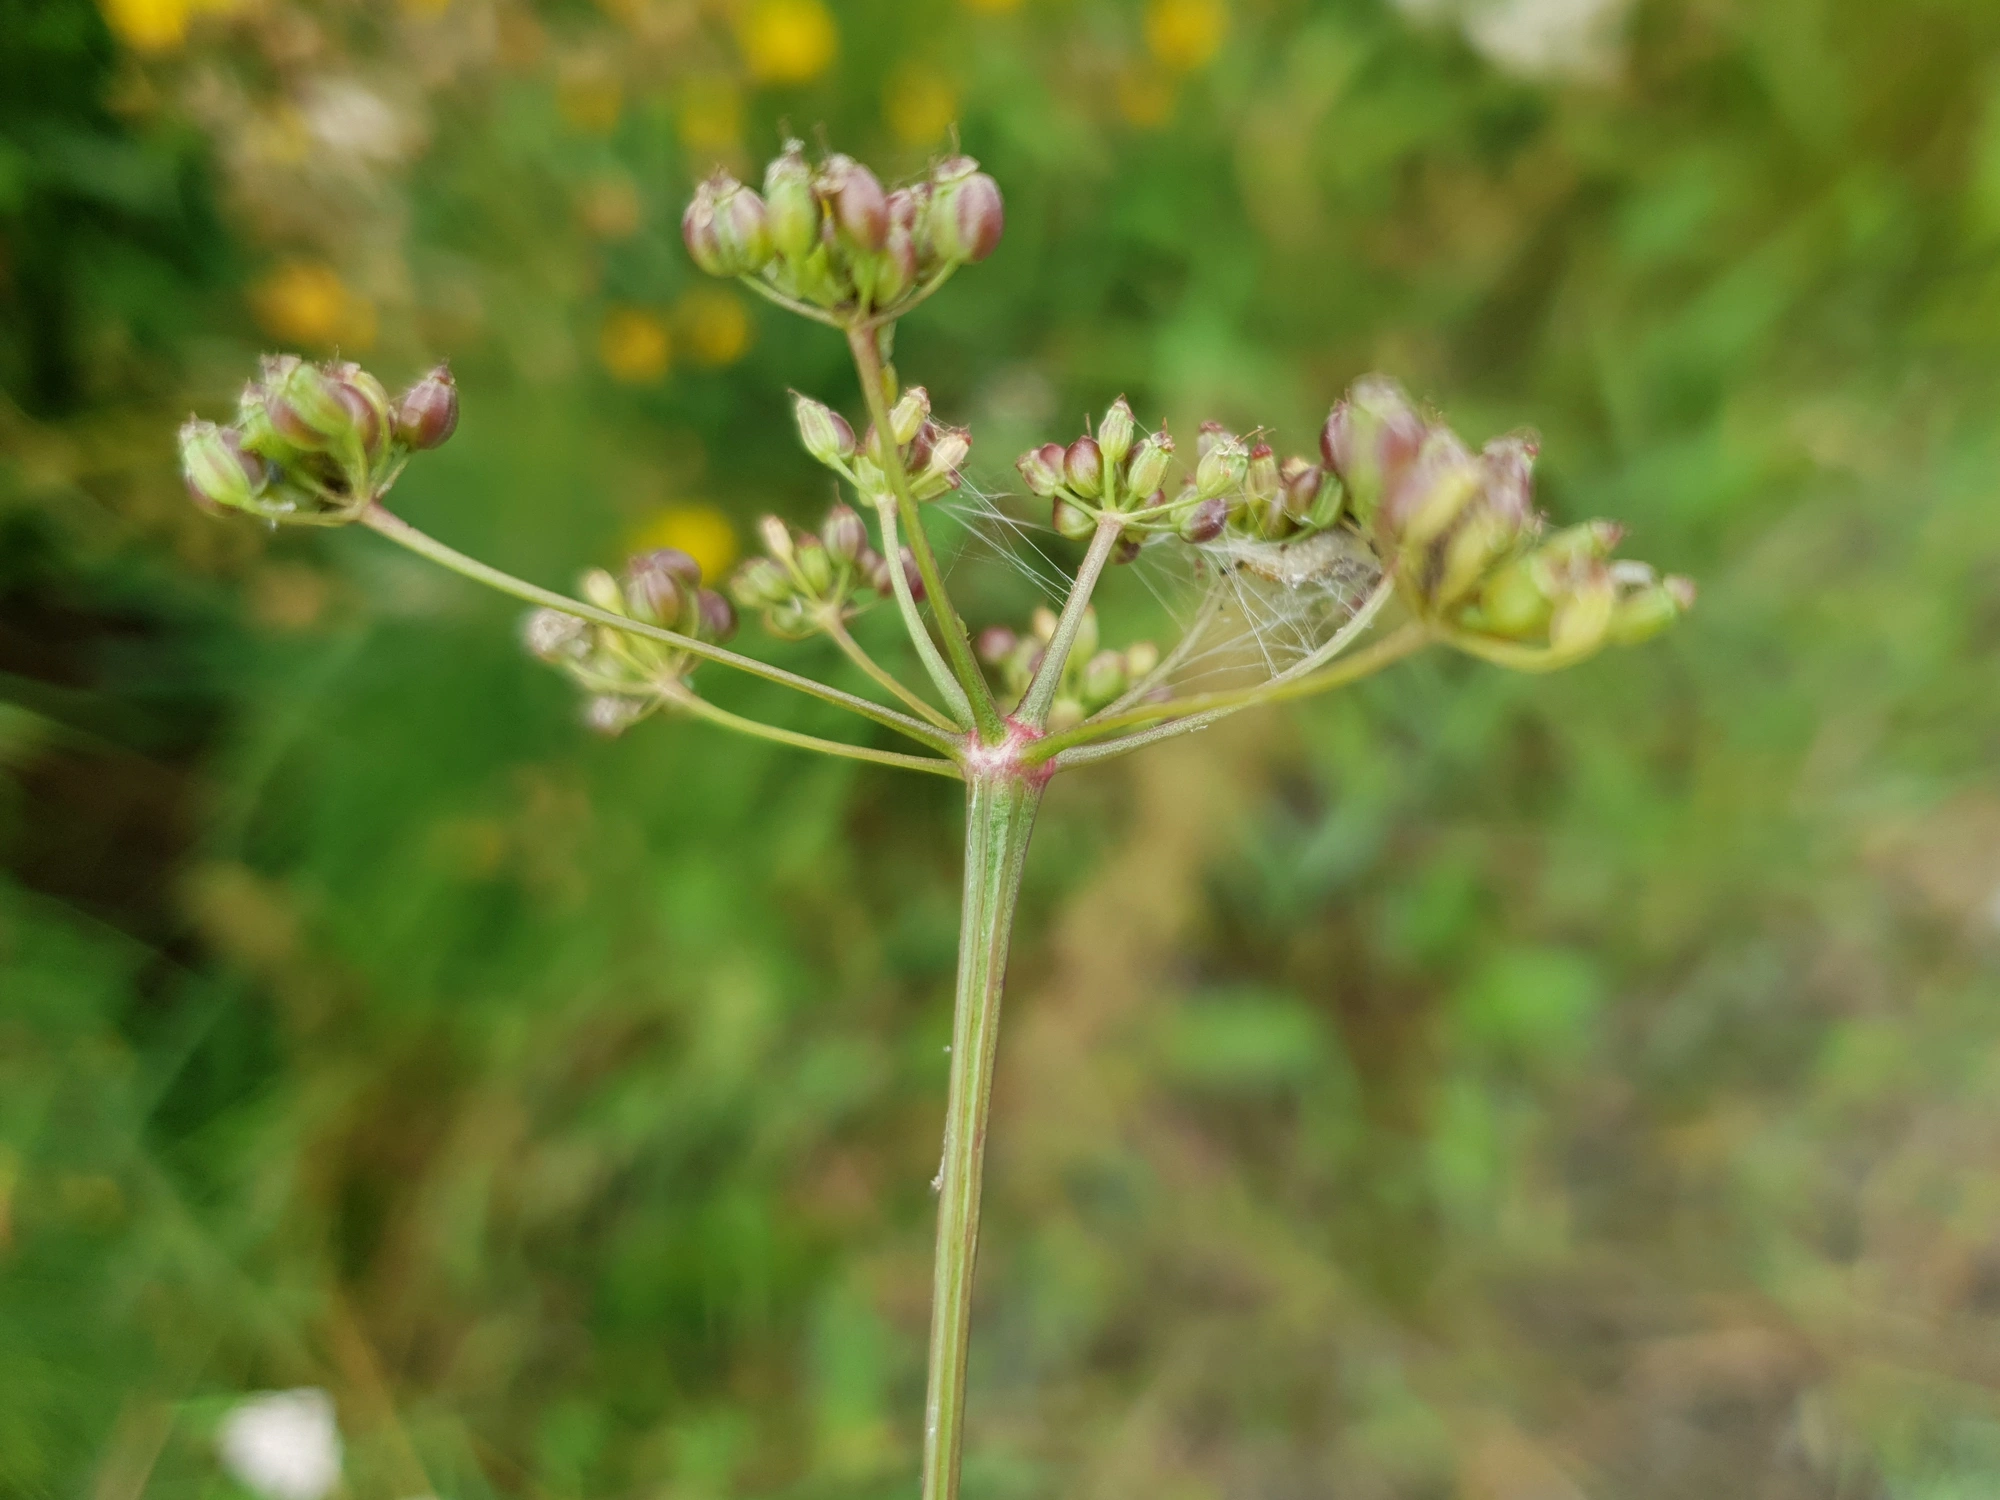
(283, 1445)
(355, 121)
(1537, 39)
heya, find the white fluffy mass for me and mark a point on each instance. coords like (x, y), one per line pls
(283, 1444)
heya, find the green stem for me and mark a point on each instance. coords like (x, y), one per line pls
(1041, 692)
(403, 534)
(957, 646)
(701, 708)
(999, 819)
(1088, 741)
(913, 618)
(881, 676)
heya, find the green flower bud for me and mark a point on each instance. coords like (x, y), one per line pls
(313, 411)
(967, 214)
(427, 413)
(855, 201)
(726, 228)
(893, 270)
(1042, 468)
(1582, 615)
(1514, 602)
(815, 567)
(1470, 553)
(1646, 611)
(908, 415)
(218, 471)
(1150, 461)
(1102, 678)
(657, 584)
(1591, 541)
(760, 584)
(1116, 431)
(1072, 520)
(777, 538)
(602, 590)
(1430, 493)
(790, 208)
(823, 432)
(1205, 520)
(1222, 466)
(1083, 467)
(844, 533)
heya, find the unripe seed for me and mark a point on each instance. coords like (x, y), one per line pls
(217, 470)
(968, 215)
(1042, 468)
(1150, 461)
(1115, 433)
(844, 533)
(855, 201)
(790, 207)
(427, 413)
(1083, 467)
(824, 432)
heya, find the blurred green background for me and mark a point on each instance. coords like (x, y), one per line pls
(1473, 1086)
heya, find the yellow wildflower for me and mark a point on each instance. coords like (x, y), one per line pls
(633, 345)
(710, 117)
(1185, 34)
(306, 303)
(147, 25)
(919, 103)
(699, 529)
(715, 325)
(788, 41)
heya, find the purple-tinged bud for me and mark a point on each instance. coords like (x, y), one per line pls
(790, 207)
(1508, 465)
(427, 413)
(911, 411)
(844, 533)
(1429, 495)
(1370, 437)
(717, 621)
(1209, 435)
(369, 404)
(760, 584)
(217, 470)
(554, 636)
(823, 432)
(895, 268)
(1072, 520)
(776, 537)
(855, 201)
(1042, 468)
(1116, 431)
(1083, 467)
(726, 228)
(968, 215)
(917, 454)
(1150, 461)
(907, 208)
(995, 644)
(655, 587)
(1127, 549)
(1205, 521)
(883, 581)
(949, 450)
(1301, 483)
(311, 410)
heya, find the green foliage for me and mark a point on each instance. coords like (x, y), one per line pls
(1472, 1085)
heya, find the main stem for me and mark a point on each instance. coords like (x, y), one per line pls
(999, 818)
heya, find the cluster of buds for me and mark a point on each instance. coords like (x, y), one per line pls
(1461, 532)
(832, 236)
(805, 582)
(314, 443)
(1091, 679)
(1117, 470)
(1240, 489)
(933, 452)
(626, 675)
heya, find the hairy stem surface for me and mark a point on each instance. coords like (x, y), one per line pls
(999, 818)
